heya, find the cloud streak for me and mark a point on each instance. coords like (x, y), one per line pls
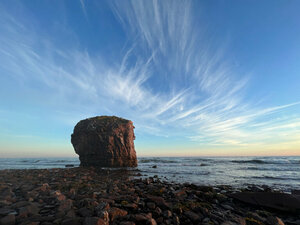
(171, 81)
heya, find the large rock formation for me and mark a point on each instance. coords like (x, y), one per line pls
(105, 141)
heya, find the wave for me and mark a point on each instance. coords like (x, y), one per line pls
(260, 161)
(29, 161)
(275, 178)
(157, 161)
(197, 173)
(272, 169)
(256, 161)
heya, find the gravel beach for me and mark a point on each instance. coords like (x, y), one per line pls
(95, 196)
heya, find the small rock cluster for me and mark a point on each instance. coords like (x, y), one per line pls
(75, 196)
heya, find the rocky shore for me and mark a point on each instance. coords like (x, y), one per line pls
(92, 196)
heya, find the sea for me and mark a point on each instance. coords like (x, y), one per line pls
(281, 173)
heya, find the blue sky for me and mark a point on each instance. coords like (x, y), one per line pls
(195, 77)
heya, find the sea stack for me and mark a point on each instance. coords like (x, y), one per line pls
(105, 141)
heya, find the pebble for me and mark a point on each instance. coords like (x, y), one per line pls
(89, 196)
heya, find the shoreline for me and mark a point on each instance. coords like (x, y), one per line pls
(93, 196)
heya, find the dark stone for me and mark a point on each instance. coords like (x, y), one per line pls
(193, 216)
(84, 212)
(94, 221)
(69, 165)
(274, 200)
(8, 220)
(72, 221)
(116, 212)
(105, 141)
(274, 220)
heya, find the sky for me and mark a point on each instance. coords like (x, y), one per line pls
(197, 78)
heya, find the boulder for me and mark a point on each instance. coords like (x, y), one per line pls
(273, 200)
(105, 141)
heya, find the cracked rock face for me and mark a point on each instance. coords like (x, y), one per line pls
(105, 141)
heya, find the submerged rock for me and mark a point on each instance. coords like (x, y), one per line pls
(105, 141)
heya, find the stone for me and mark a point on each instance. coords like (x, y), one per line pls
(274, 200)
(158, 211)
(228, 207)
(295, 192)
(84, 212)
(151, 222)
(65, 205)
(105, 141)
(103, 215)
(273, 220)
(71, 221)
(167, 214)
(33, 223)
(229, 223)
(4, 212)
(159, 201)
(59, 196)
(94, 221)
(143, 217)
(116, 212)
(192, 216)
(71, 214)
(151, 205)
(8, 220)
(127, 223)
(252, 221)
(28, 210)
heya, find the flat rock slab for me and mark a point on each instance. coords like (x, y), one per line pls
(278, 201)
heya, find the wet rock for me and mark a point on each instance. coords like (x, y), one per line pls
(142, 217)
(84, 212)
(193, 216)
(71, 214)
(273, 220)
(8, 220)
(127, 223)
(69, 165)
(295, 192)
(29, 210)
(103, 215)
(167, 214)
(158, 201)
(151, 205)
(229, 223)
(4, 211)
(179, 193)
(252, 221)
(59, 196)
(157, 211)
(151, 222)
(278, 201)
(176, 220)
(94, 221)
(105, 141)
(71, 221)
(20, 204)
(116, 212)
(228, 207)
(65, 205)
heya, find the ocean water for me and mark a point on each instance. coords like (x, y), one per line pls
(277, 172)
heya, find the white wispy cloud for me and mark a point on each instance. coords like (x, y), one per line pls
(178, 84)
